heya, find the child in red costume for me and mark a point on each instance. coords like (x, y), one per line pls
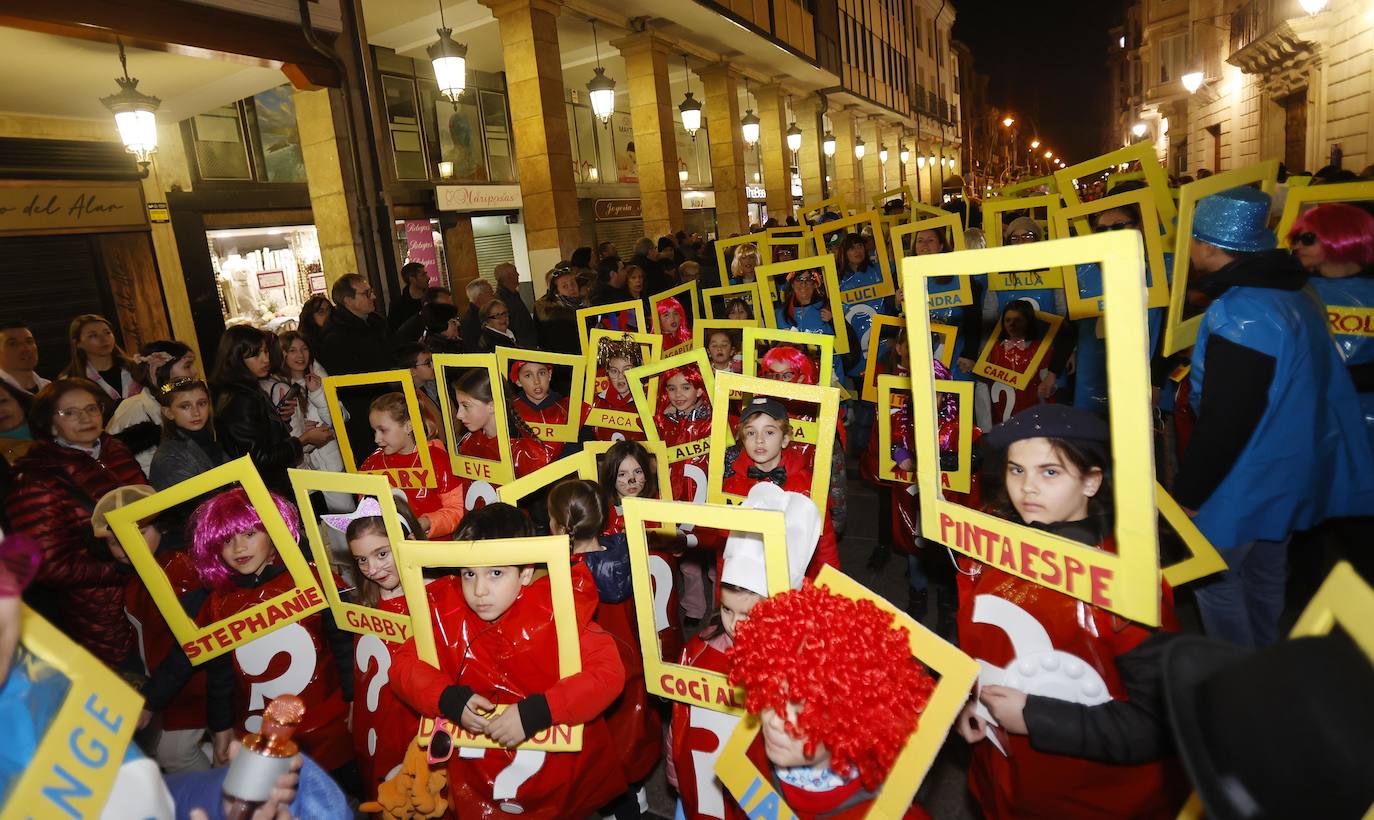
(1049, 469)
(697, 734)
(475, 409)
(614, 357)
(672, 323)
(1014, 351)
(495, 636)
(239, 568)
(828, 741)
(438, 509)
(383, 726)
(183, 721)
(535, 402)
(765, 452)
(577, 509)
(722, 349)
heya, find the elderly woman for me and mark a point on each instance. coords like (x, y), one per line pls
(73, 463)
(496, 332)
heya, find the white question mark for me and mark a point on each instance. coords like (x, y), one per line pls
(525, 764)
(662, 576)
(710, 799)
(255, 656)
(479, 491)
(697, 476)
(1001, 392)
(371, 648)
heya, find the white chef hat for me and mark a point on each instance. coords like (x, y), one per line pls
(744, 564)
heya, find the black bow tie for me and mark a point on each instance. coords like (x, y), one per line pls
(777, 475)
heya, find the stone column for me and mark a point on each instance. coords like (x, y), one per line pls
(539, 120)
(810, 159)
(846, 178)
(872, 182)
(460, 249)
(721, 111)
(651, 111)
(774, 155)
(322, 150)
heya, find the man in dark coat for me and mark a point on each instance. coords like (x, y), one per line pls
(508, 291)
(356, 339)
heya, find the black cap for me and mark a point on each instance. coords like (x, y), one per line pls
(1049, 421)
(766, 405)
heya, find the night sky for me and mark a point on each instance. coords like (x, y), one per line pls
(1046, 62)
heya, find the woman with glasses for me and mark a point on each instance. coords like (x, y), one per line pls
(73, 463)
(496, 332)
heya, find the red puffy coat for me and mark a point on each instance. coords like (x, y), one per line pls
(55, 491)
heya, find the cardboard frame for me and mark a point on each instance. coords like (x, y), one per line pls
(698, 687)
(837, 203)
(826, 264)
(1126, 583)
(706, 327)
(1318, 195)
(803, 244)
(1344, 600)
(81, 750)
(960, 480)
(635, 306)
(688, 288)
(869, 389)
(885, 197)
(950, 334)
(1204, 561)
(1017, 379)
(750, 289)
(749, 365)
(550, 432)
(583, 465)
(722, 245)
(1155, 275)
(873, 219)
(623, 420)
(1179, 332)
(722, 437)
(363, 620)
(962, 294)
(422, 476)
(414, 557)
(956, 672)
(1156, 178)
(494, 472)
(994, 208)
(1015, 190)
(648, 405)
(202, 643)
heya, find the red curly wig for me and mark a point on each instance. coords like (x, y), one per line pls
(792, 359)
(859, 690)
(692, 374)
(1345, 232)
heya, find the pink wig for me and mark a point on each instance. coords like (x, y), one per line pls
(1345, 232)
(221, 518)
(691, 373)
(684, 333)
(794, 360)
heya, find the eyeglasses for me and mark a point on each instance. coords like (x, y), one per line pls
(1305, 238)
(502, 315)
(1116, 226)
(1019, 238)
(90, 410)
(363, 294)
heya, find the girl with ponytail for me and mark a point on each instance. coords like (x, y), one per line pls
(475, 408)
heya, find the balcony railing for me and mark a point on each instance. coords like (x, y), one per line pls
(1257, 18)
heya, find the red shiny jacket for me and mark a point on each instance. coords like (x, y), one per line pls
(696, 737)
(551, 412)
(383, 725)
(527, 455)
(154, 639)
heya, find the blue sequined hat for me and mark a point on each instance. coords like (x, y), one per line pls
(1235, 220)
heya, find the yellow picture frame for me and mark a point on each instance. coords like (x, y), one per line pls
(1016, 190)
(688, 289)
(1018, 379)
(1127, 582)
(873, 219)
(1155, 275)
(1156, 178)
(1204, 559)
(963, 294)
(949, 334)
(706, 327)
(956, 673)
(802, 245)
(868, 390)
(689, 684)
(81, 750)
(413, 557)
(1318, 195)
(494, 472)
(404, 478)
(902, 191)
(749, 365)
(993, 210)
(590, 314)
(203, 643)
(622, 420)
(827, 400)
(960, 480)
(1344, 599)
(1179, 332)
(835, 203)
(568, 431)
(391, 627)
(747, 290)
(826, 264)
(583, 464)
(647, 404)
(728, 244)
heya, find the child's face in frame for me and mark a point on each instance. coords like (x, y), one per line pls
(763, 440)
(672, 322)
(629, 478)
(615, 371)
(534, 381)
(719, 350)
(738, 311)
(249, 551)
(475, 414)
(375, 560)
(735, 605)
(782, 749)
(682, 394)
(391, 435)
(490, 591)
(1044, 487)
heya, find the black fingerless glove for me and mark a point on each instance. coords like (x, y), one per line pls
(452, 702)
(534, 715)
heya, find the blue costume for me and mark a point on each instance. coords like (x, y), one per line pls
(1090, 372)
(1308, 459)
(1352, 292)
(1048, 300)
(860, 314)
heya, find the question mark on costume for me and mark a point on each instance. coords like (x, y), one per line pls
(1007, 394)
(257, 655)
(697, 476)
(710, 799)
(525, 764)
(662, 576)
(371, 648)
(617, 436)
(479, 491)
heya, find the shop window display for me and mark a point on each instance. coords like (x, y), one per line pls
(265, 275)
